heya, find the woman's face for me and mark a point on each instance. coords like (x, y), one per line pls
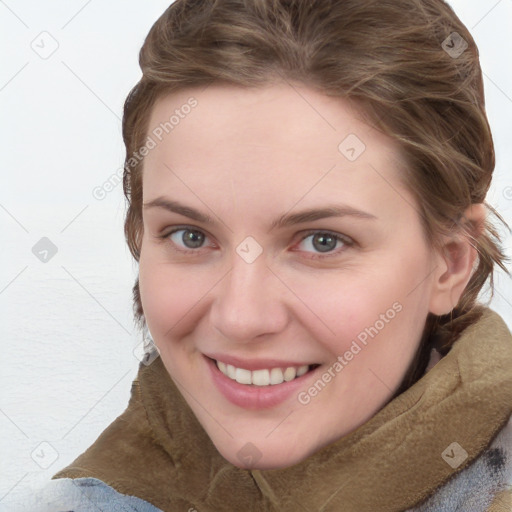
(259, 184)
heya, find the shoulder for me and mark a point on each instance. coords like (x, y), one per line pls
(84, 495)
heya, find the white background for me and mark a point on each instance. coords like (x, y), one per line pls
(67, 330)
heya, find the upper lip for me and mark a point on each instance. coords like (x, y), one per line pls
(255, 364)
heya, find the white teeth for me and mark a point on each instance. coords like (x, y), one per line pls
(243, 376)
(290, 374)
(230, 371)
(301, 370)
(276, 376)
(262, 377)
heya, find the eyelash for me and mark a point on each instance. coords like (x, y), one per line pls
(348, 242)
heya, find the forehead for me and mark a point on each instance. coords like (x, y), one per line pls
(277, 115)
(284, 140)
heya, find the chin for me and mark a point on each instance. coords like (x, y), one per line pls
(249, 457)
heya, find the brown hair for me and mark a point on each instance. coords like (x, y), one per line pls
(390, 57)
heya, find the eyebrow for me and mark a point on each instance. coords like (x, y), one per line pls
(282, 221)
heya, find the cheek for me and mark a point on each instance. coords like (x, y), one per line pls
(338, 307)
(165, 294)
(172, 296)
(379, 308)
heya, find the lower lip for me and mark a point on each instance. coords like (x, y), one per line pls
(255, 397)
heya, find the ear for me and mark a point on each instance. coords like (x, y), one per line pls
(454, 263)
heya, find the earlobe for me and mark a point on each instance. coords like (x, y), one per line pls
(455, 263)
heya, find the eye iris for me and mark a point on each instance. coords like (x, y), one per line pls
(194, 237)
(327, 242)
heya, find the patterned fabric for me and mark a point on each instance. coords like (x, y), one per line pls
(83, 495)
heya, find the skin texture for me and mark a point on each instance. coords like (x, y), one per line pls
(245, 157)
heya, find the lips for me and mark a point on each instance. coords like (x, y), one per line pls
(258, 395)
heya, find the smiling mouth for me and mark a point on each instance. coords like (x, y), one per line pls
(264, 377)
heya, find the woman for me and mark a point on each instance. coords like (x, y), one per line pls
(306, 189)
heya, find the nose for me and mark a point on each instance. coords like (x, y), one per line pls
(249, 302)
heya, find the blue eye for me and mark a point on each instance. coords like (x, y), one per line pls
(324, 242)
